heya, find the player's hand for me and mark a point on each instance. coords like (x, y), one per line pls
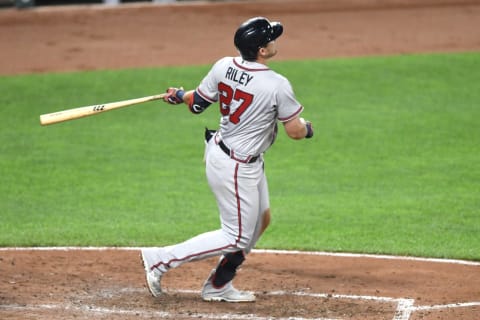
(174, 95)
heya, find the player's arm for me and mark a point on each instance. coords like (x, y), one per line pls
(289, 110)
(196, 103)
(297, 128)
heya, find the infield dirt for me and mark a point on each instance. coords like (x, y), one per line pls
(110, 284)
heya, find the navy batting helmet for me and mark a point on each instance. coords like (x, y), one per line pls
(254, 34)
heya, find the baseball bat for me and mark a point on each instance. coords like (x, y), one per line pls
(75, 113)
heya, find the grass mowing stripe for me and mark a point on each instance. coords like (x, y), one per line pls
(393, 168)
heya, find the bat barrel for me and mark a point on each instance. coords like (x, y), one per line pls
(71, 114)
(61, 116)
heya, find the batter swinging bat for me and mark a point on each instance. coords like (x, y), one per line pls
(71, 114)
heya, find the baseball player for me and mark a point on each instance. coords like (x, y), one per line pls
(252, 99)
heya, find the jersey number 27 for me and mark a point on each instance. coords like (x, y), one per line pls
(227, 94)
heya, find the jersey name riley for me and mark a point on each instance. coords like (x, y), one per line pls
(238, 76)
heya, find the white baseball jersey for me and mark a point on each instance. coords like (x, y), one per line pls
(252, 98)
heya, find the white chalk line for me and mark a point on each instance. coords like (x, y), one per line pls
(260, 251)
(405, 307)
(403, 311)
(446, 306)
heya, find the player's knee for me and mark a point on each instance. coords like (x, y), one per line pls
(244, 242)
(236, 240)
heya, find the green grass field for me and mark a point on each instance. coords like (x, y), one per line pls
(394, 166)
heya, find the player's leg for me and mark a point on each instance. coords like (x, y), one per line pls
(157, 261)
(248, 178)
(229, 263)
(231, 187)
(205, 245)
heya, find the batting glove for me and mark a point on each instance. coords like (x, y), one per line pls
(174, 96)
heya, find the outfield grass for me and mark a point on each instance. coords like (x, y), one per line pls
(394, 166)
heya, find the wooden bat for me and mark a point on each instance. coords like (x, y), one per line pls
(75, 113)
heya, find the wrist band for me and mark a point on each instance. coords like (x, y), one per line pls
(309, 130)
(179, 94)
